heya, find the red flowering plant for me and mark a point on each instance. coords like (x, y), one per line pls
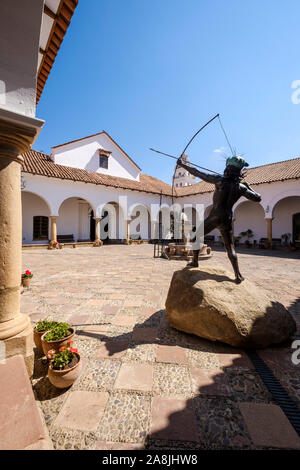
(64, 357)
(27, 275)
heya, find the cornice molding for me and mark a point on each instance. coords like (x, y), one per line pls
(17, 134)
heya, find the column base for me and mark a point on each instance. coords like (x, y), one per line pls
(21, 343)
(13, 327)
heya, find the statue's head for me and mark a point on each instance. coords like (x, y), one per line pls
(234, 166)
(236, 161)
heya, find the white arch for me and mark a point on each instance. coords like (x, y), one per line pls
(279, 197)
(242, 201)
(117, 227)
(75, 196)
(40, 196)
(139, 214)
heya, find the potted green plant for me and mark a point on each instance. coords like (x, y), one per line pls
(248, 234)
(41, 327)
(285, 237)
(26, 278)
(57, 337)
(64, 367)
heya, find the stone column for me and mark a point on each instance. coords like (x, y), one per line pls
(53, 228)
(17, 133)
(97, 228)
(269, 229)
(128, 230)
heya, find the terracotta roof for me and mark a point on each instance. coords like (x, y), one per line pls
(62, 20)
(93, 135)
(269, 173)
(40, 164)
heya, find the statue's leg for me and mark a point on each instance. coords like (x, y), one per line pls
(227, 236)
(210, 223)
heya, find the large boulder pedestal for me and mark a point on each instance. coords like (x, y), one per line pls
(208, 303)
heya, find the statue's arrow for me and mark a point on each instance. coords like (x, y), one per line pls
(191, 163)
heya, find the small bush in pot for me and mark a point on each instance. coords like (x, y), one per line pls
(57, 337)
(65, 366)
(26, 278)
(41, 327)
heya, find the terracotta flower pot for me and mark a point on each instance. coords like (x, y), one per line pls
(64, 378)
(37, 335)
(56, 345)
(26, 281)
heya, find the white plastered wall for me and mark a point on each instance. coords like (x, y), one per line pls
(247, 215)
(85, 155)
(32, 205)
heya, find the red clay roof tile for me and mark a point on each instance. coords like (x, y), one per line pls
(40, 164)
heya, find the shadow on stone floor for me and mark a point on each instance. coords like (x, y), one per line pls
(226, 400)
(231, 409)
(154, 330)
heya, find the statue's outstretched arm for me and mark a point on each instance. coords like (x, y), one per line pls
(249, 193)
(199, 174)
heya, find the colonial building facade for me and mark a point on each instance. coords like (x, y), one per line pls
(66, 194)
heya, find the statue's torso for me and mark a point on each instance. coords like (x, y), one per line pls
(226, 194)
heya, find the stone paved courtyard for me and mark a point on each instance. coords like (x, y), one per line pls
(144, 384)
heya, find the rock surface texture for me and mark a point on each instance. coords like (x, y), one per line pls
(208, 303)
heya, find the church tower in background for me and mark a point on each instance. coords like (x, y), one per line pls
(182, 177)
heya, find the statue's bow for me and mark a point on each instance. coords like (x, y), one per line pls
(189, 142)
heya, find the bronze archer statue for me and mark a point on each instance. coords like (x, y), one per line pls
(228, 189)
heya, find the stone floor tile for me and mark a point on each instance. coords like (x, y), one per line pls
(124, 320)
(98, 375)
(20, 424)
(220, 423)
(111, 350)
(268, 426)
(148, 335)
(78, 319)
(137, 377)
(110, 309)
(209, 381)
(35, 317)
(171, 379)
(126, 418)
(82, 410)
(172, 419)
(171, 354)
(235, 360)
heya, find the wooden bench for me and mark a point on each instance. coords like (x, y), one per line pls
(275, 242)
(65, 238)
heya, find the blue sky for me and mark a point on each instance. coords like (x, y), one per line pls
(151, 72)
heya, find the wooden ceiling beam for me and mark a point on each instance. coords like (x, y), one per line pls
(49, 12)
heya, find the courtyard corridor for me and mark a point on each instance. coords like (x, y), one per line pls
(143, 384)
